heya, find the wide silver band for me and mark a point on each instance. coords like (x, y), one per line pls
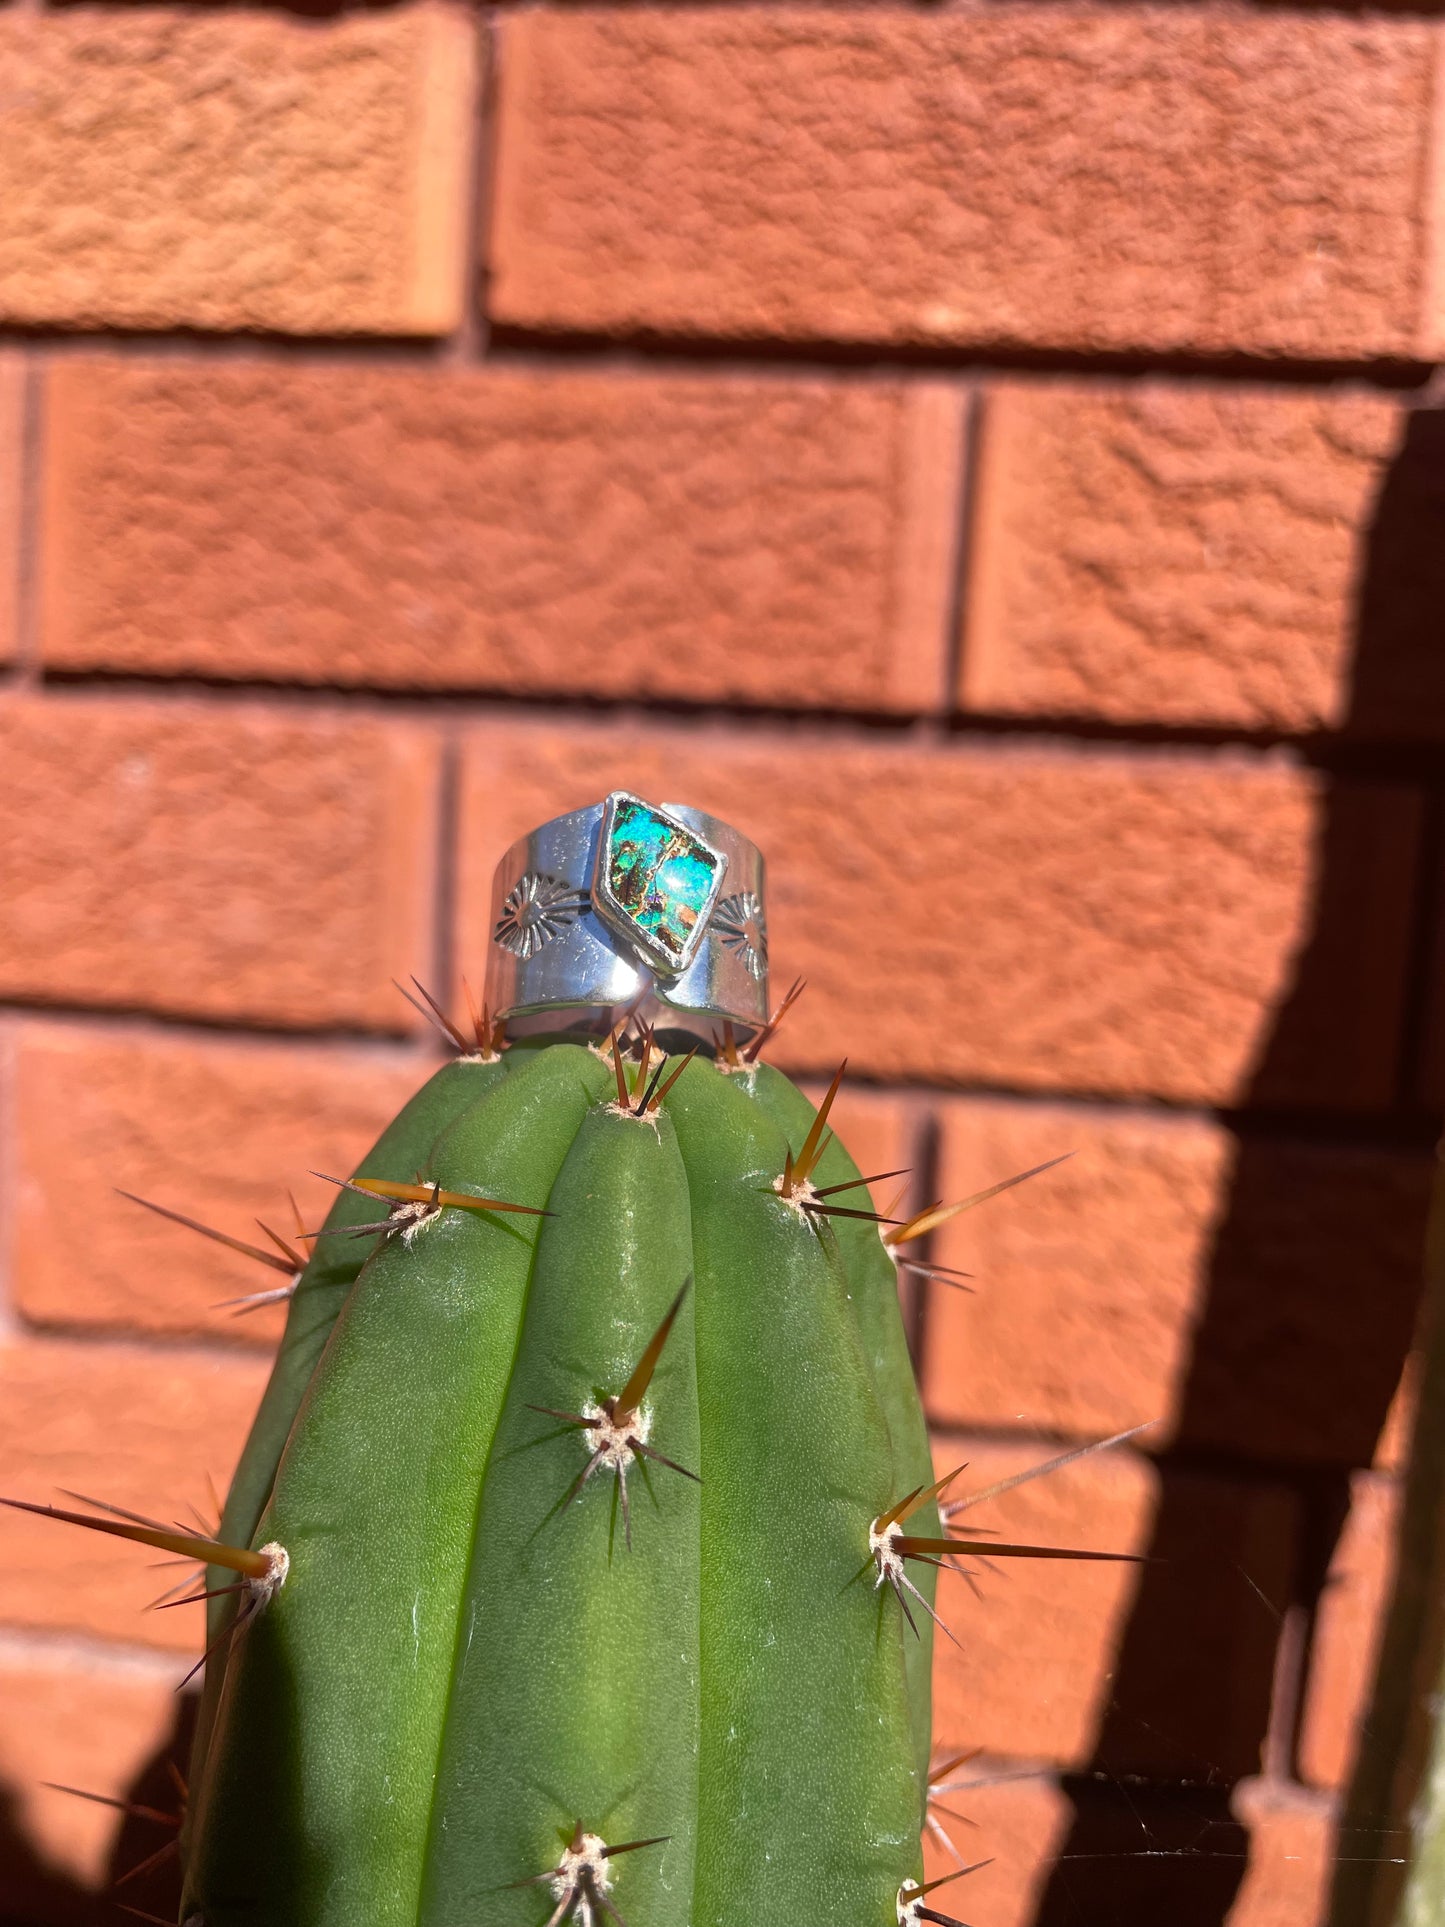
(657, 906)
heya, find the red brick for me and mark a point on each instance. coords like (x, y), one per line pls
(1166, 898)
(1155, 178)
(1348, 1626)
(1163, 1669)
(169, 168)
(1018, 1826)
(1291, 1849)
(1146, 552)
(215, 1129)
(215, 861)
(136, 1427)
(12, 429)
(775, 541)
(82, 1719)
(1169, 1271)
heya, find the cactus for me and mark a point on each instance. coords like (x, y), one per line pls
(580, 1564)
(1393, 1819)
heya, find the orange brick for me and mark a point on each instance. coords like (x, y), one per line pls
(1348, 1626)
(78, 1718)
(775, 541)
(1165, 900)
(1017, 1825)
(1163, 1669)
(1291, 1849)
(167, 169)
(1170, 554)
(12, 434)
(212, 1128)
(1031, 175)
(136, 1427)
(1170, 1272)
(226, 861)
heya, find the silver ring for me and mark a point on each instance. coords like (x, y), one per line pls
(630, 903)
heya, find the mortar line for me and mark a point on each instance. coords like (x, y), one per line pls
(956, 641)
(152, 1341)
(484, 177)
(139, 1024)
(1295, 1475)
(750, 360)
(1389, 760)
(925, 1147)
(446, 880)
(1304, 1129)
(78, 1652)
(9, 1176)
(467, 342)
(28, 667)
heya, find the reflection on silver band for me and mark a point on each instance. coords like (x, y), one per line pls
(630, 903)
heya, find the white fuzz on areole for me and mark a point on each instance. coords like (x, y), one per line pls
(882, 1546)
(411, 1216)
(910, 1899)
(261, 1591)
(589, 1860)
(612, 1442)
(804, 1195)
(582, 1873)
(648, 1117)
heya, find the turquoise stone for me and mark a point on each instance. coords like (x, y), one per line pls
(660, 877)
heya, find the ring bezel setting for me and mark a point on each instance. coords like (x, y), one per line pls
(656, 881)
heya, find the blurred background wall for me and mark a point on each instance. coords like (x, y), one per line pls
(985, 451)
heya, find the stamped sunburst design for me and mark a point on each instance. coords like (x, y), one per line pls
(738, 922)
(537, 908)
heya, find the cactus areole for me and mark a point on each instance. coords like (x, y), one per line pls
(579, 1565)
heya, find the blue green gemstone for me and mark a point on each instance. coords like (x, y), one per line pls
(660, 875)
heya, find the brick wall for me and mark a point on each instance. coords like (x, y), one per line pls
(987, 451)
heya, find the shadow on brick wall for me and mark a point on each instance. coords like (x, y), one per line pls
(33, 1893)
(1303, 1400)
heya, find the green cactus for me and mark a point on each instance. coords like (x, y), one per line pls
(461, 1662)
(580, 1562)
